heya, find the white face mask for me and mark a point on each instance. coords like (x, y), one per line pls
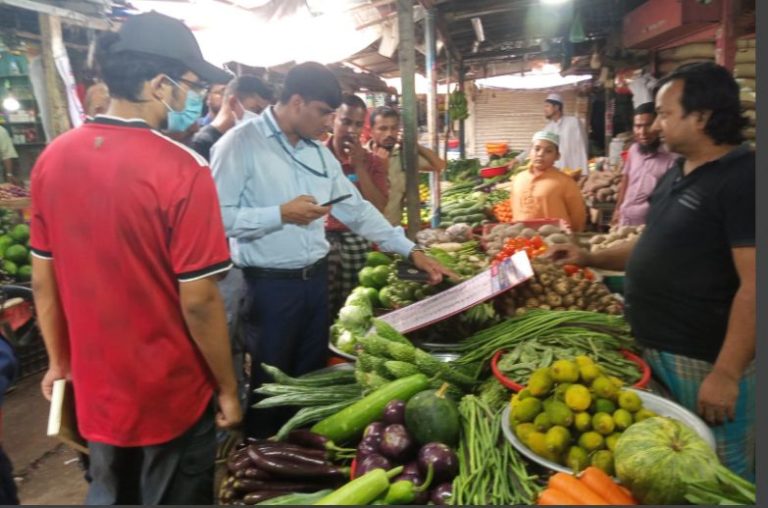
(247, 115)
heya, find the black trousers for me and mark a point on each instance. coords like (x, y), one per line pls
(8, 494)
(285, 324)
(177, 472)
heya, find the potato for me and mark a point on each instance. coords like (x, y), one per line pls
(554, 300)
(548, 229)
(532, 303)
(557, 238)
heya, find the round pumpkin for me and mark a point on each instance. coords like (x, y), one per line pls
(655, 457)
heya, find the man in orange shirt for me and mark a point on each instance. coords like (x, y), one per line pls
(543, 192)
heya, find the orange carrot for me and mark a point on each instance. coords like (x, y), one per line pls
(597, 480)
(554, 497)
(569, 484)
(629, 493)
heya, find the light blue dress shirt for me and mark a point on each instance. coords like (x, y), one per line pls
(256, 170)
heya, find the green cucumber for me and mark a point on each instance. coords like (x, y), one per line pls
(362, 490)
(350, 422)
(297, 499)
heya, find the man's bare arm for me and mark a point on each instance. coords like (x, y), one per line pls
(52, 323)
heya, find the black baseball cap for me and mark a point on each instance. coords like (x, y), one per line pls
(157, 34)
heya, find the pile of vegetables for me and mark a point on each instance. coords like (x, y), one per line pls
(419, 435)
(534, 247)
(616, 236)
(11, 191)
(500, 162)
(573, 414)
(591, 488)
(498, 195)
(544, 350)
(663, 461)
(317, 394)
(502, 211)
(458, 233)
(261, 470)
(15, 257)
(496, 238)
(552, 288)
(506, 335)
(387, 356)
(402, 422)
(601, 186)
(464, 208)
(465, 259)
(490, 470)
(462, 170)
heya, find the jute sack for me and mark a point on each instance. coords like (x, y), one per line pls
(748, 98)
(746, 56)
(667, 66)
(690, 51)
(746, 83)
(744, 70)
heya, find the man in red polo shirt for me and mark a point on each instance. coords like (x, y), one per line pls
(128, 243)
(368, 173)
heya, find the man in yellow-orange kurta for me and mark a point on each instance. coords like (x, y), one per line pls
(543, 192)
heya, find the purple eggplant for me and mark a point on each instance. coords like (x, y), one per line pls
(412, 469)
(371, 462)
(394, 412)
(441, 495)
(442, 458)
(396, 443)
(368, 446)
(374, 431)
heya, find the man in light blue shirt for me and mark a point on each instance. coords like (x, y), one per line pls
(271, 175)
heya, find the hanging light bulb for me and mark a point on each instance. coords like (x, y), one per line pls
(10, 104)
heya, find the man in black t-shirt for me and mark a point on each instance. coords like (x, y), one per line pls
(690, 277)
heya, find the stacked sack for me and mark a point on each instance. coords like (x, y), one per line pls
(669, 59)
(744, 71)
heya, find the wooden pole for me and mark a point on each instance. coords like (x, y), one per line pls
(407, 60)
(57, 102)
(462, 140)
(431, 65)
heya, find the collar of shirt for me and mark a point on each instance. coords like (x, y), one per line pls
(271, 129)
(119, 121)
(681, 177)
(534, 175)
(661, 152)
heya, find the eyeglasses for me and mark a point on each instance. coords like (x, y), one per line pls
(200, 87)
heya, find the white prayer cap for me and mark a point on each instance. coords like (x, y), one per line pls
(547, 136)
(555, 97)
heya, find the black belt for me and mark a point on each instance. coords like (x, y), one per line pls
(305, 273)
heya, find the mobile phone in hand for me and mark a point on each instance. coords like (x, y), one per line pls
(336, 200)
(406, 271)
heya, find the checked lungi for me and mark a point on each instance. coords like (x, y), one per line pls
(345, 259)
(683, 376)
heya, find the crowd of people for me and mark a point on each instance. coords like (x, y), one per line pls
(166, 244)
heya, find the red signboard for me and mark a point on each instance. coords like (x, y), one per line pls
(657, 21)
